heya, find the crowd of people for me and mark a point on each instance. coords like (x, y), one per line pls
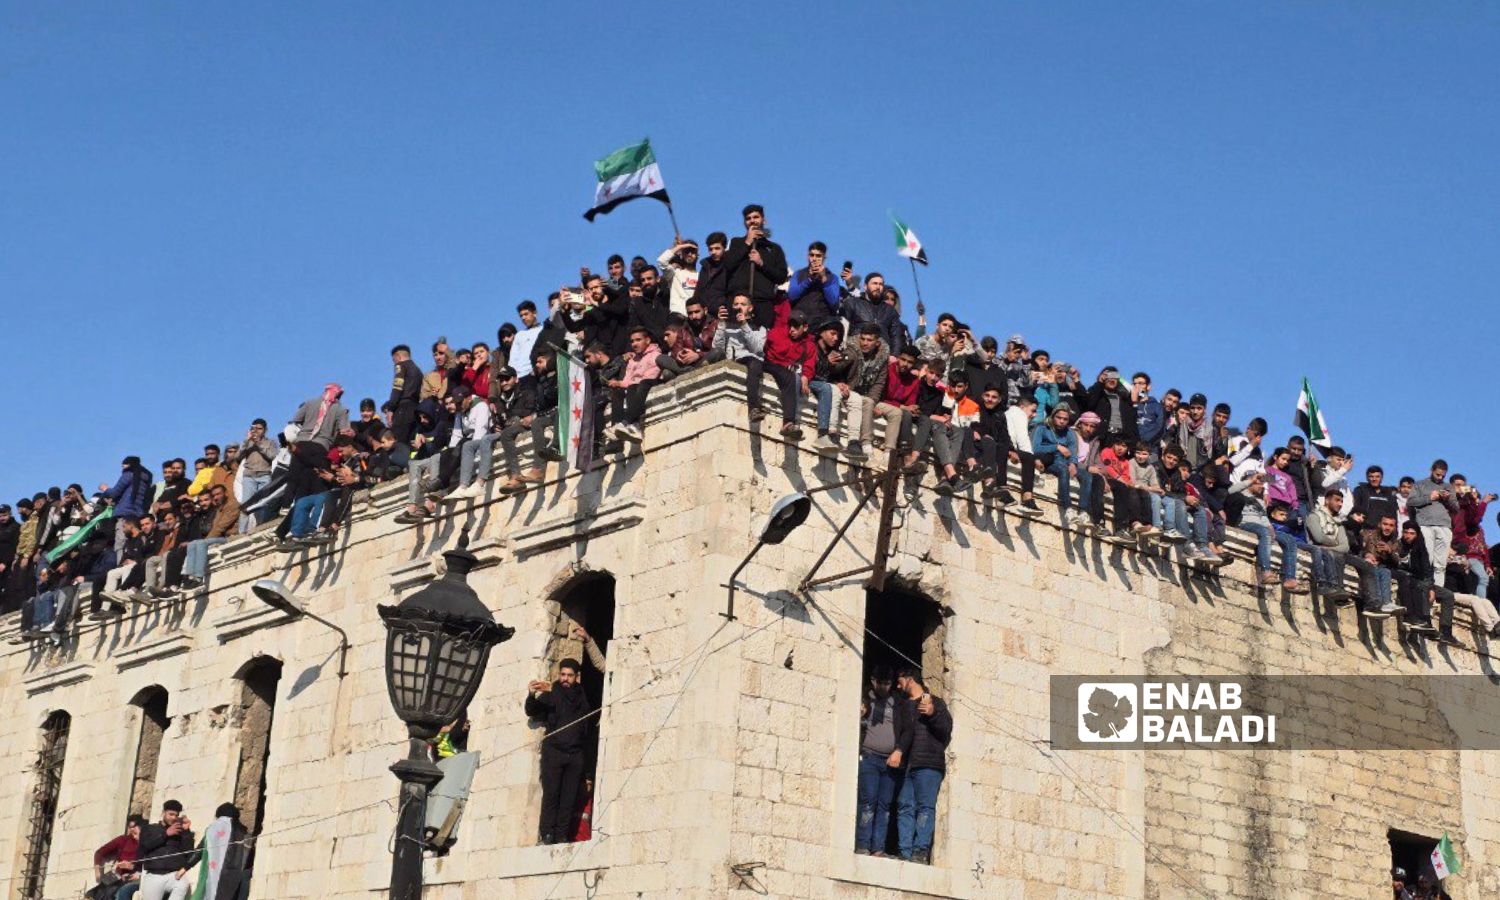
(990, 418)
(163, 860)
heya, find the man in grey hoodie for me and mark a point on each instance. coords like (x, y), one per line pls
(1432, 506)
(1330, 552)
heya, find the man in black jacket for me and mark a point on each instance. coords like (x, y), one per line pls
(406, 390)
(755, 265)
(711, 290)
(10, 538)
(871, 306)
(923, 729)
(1110, 401)
(565, 711)
(167, 851)
(651, 308)
(606, 320)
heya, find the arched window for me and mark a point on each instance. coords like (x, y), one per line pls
(48, 774)
(152, 703)
(257, 708)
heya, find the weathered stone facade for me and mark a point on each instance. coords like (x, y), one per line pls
(728, 743)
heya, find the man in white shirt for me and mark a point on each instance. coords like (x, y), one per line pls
(475, 443)
(524, 343)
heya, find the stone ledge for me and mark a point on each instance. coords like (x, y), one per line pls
(575, 526)
(248, 616)
(60, 676)
(170, 644)
(910, 878)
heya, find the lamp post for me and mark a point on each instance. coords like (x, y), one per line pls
(438, 641)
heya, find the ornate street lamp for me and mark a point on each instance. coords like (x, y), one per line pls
(438, 641)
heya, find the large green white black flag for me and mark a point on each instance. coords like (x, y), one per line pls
(626, 174)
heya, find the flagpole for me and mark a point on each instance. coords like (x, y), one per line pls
(914, 280)
(676, 232)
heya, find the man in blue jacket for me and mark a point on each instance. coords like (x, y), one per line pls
(814, 291)
(131, 495)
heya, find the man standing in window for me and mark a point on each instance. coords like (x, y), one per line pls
(879, 764)
(565, 710)
(923, 729)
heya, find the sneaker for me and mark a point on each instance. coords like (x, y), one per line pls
(1378, 612)
(922, 857)
(1448, 639)
(512, 486)
(915, 467)
(1344, 600)
(757, 414)
(1173, 536)
(1294, 586)
(1423, 628)
(824, 442)
(407, 517)
(1191, 553)
(632, 433)
(944, 486)
(991, 491)
(1029, 509)
(99, 615)
(791, 432)
(855, 450)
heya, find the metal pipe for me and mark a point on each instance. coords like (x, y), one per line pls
(343, 640)
(729, 613)
(838, 536)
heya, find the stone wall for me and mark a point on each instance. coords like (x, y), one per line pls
(731, 743)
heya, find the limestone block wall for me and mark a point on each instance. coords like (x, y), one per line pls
(727, 744)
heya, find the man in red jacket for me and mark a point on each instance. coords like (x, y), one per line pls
(790, 358)
(898, 400)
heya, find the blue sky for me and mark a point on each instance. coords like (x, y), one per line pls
(208, 212)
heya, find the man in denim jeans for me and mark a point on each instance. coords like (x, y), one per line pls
(923, 729)
(879, 764)
(830, 379)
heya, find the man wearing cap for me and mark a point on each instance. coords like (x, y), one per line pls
(1194, 431)
(1015, 363)
(131, 495)
(1110, 401)
(830, 378)
(405, 392)
(755, 266)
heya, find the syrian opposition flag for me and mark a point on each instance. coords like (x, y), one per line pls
(1310, 419)
(626, 174)
(906, 242)
(215, 846)
(1444, 859)
(575, 413)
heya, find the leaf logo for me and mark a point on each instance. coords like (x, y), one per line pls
(1107, 712)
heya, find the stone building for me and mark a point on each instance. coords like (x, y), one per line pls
(727, 756)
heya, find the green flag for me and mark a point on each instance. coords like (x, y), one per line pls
(79, 536)
(906, 242)
(626, 174)
(1309, 418)
(1444, 858)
